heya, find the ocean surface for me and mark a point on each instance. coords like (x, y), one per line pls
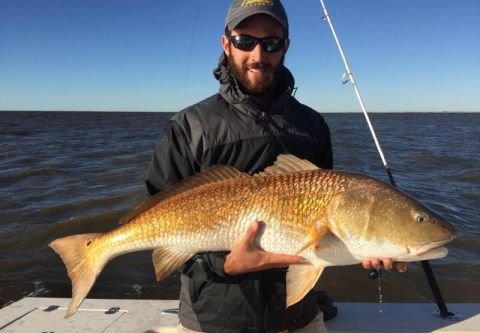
(64, 173)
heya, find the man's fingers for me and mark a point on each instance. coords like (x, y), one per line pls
(282, 260)
(387, 263)
(375, 263)
(366, 264)
(252, 231)
(401, 266)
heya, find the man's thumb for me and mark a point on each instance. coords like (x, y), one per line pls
(252, 232)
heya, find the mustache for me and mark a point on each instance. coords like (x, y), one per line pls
(259, 65)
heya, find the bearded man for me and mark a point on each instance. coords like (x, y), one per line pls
(252, 120)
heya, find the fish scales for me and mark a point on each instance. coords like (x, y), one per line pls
(331, 218)
(218, 214)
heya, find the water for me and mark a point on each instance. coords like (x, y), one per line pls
(67, 173)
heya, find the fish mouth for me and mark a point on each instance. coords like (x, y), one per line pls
(435, 253)
(430, 246)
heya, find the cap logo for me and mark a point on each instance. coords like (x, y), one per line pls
(247, 3)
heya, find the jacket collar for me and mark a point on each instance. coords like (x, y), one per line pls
(231, 92)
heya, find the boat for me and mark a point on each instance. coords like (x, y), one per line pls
(43, 314)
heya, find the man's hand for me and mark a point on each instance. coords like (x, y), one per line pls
(386, 263)
(247, 257)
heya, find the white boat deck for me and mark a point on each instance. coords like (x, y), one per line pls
(45, 315)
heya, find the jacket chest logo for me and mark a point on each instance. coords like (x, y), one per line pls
(296, 131)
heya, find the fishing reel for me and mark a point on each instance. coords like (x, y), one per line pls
(374, 273)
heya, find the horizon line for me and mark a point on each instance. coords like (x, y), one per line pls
(163, 111)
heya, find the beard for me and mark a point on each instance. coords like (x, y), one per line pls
(260, 88)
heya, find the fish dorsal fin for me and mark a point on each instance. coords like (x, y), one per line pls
(167, 261)
(212, 174)
(286, 164)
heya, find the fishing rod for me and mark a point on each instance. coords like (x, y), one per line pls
(444, 313)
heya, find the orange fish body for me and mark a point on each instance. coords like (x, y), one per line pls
(330, 218)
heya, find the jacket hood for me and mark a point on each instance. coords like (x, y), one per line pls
(230, 89)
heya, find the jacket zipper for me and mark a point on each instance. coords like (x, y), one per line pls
(266, 123)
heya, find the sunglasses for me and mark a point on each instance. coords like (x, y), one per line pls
(248, 43)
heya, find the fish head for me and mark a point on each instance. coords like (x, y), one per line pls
(379, 221)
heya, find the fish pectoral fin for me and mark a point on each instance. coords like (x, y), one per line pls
(301, 279)
(166, 261)
(315, 234)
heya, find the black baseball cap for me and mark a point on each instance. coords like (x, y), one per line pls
(242, 9)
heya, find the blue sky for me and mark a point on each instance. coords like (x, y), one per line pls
(146, 55)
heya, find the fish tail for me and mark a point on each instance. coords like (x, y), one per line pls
(83, 265)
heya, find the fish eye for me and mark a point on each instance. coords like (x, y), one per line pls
(421, 218)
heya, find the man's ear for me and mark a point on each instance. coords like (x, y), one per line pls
(287, 44)
(225, 44)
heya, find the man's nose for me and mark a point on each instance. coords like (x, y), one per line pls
(258, 53)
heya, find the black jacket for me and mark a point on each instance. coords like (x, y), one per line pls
(233, 128)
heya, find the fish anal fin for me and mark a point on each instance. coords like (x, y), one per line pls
(210, 175)
(300, 280)
(286, 164)
(166, 261)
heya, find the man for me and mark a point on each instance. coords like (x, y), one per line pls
(252, 120)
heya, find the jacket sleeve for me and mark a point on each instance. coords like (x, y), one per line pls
(205, 265)
(172, 162)
(326, 153)
(324, 146)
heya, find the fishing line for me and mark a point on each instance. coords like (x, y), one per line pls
(348, 77)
